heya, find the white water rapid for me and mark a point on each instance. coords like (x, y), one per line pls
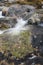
(1, 32)
(41, 24)
(19, 26)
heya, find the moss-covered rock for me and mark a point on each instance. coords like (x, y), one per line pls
(19, 45)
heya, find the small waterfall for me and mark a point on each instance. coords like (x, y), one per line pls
(1, 32)
(17, 29)
(19, 26)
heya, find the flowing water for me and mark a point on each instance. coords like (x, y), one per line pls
(20, 24)
(41, 24)
(18, 27)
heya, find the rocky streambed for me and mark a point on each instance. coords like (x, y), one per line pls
(21, 38)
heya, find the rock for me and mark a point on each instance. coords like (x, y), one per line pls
(20, 10)
(5, 11)
(37, 39)
(11, 1)
(23, 11)
(5, 24)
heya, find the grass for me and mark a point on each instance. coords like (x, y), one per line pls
(19, 45)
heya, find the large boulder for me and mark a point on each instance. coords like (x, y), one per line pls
(5, 11)
(20, 10)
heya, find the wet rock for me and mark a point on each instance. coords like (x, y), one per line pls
(37, 40)
(20, 10)
(5, 11)
(2, 57)
(28, 59)
(26, 12)
(5, 24)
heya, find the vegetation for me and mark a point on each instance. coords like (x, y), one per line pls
(37, 3)
(19, 45)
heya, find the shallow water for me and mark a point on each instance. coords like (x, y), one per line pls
(41, 24)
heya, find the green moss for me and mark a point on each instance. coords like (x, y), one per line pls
(19, 45)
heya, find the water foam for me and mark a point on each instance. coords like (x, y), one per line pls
(1, 32)
(19, 26)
